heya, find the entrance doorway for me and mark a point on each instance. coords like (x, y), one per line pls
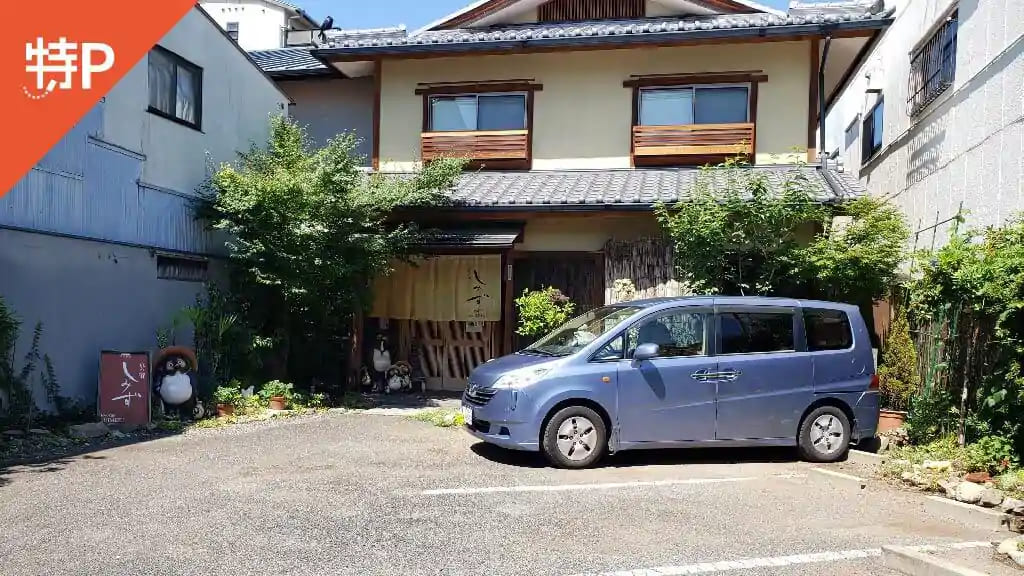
(579, 275)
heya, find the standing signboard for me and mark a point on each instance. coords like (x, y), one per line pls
(124, 388)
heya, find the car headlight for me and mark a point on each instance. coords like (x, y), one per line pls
(522, 377)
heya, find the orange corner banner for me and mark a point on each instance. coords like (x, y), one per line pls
(56, 65)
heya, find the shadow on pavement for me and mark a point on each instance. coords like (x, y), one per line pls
(59, 456)
(631, 458)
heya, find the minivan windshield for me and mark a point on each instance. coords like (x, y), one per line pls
(572, 336)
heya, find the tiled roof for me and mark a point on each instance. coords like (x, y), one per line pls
(624, 188)
(289, 61)
(606, 28)
(298, 61)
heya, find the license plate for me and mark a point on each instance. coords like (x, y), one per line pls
(467, 415)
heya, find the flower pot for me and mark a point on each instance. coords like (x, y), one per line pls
(277, 403)
(225, 409)
(890, 420)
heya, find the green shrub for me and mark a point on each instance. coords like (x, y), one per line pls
(1012, 483)
(227, 395)
(898, 378)
(317, 401)
(993, 454)
(541, 311)
(276, 388)
(250, 406)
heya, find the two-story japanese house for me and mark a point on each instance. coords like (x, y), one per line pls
(578, 116)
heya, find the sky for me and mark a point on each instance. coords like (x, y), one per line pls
(412, 13)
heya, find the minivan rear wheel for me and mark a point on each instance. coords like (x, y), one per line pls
(824, 435)
(574, 437)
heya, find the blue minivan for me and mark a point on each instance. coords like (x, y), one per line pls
(676, 372)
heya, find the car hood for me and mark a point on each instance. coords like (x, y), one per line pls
(488, 373)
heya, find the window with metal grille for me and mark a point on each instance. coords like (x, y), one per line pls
(933, 66)
(184, 269)
(575, 10)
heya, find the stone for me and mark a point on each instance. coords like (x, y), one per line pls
(118, 434)
(937, 465)
(14, 433)
(883, 443)
(1018, 557)
(1010, 504)
(1008, 545)
(907, 476)
(978, 477)
(991, 497)
(969, 492)
(1014, 523)
(40, 432)
(950, 487)
(89, 430)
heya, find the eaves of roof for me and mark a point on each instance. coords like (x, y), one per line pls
(647, 31)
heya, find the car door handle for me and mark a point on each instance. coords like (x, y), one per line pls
(701, 375)
(729, 375)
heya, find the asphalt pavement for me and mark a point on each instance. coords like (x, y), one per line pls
(373, 494)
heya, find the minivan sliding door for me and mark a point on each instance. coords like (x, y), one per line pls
(765, 380)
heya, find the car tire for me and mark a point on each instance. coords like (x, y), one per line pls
(824, 435)
(574, 437)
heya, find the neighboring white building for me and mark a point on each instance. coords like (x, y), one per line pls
(934, 115)
(261, 24)
(99, 241)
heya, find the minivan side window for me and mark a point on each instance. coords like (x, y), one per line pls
(677, 333)
(753, 332)
(827, 329)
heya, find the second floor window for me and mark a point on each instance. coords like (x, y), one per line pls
(175, 87)
(474, 112)
(232, 30)
(693, 105)
(933, 66)
(871, 135)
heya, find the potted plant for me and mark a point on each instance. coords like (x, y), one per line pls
(277, 394)
(227, 397)
(897, 377)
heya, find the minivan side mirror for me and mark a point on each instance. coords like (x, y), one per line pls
(646, 352)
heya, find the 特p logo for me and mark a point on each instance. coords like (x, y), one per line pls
(55, 64)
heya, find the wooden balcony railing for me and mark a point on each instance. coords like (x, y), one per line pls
(476, 145)
(696, 140)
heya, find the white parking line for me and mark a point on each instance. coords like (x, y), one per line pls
(599, 486)
(776, 561)
(837, 474)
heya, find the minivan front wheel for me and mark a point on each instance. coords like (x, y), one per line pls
(824, 435)
(574, 437)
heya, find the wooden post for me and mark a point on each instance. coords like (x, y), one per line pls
(507, 297)
(812, 103)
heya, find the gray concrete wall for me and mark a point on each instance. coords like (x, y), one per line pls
(329, 107)
(90, 296)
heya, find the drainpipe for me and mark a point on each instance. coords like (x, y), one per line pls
(821, 102)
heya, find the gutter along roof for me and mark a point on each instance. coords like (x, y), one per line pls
(612, 33)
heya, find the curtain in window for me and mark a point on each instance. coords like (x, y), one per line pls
(161, 82)
(452, 114)
(501, 112)
(666, 107)
(721, 105)
(187, 95)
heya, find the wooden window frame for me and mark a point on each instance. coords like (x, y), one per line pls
(746, 78)
(428, 127)
(526, 87)
(179, 62)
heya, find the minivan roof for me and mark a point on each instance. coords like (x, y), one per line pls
(739, 300)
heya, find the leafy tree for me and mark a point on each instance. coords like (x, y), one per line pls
(738, 232)
(309, 232)
(860, 262)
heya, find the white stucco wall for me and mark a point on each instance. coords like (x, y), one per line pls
(260, 24)
(329, 107)
(237, 103)
(968, 145)
(582, 117)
